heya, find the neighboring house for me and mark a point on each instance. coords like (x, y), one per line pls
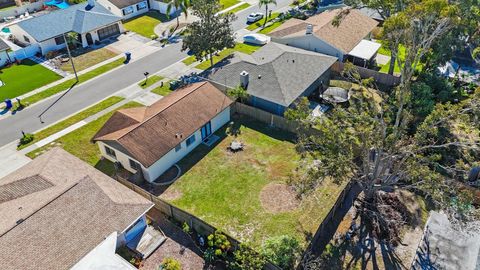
(446, 246)
(45, 33)
(126, 8)
(347, 41)
(149, 140)
(276, 75)
(57, 212)
(4, 56)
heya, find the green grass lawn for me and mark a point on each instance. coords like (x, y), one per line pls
(78, 142)
(401, 54)
(258, 24)
(145, 23)
(44, 133)
(271, 27)
(239, 47)
(23, 78)
(189, 60)
(228, 3)
(163, 90)
(240, 7)
(223, 188)
(151, 80)
(67, 84)
(88, 59)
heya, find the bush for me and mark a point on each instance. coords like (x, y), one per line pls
(186, 228)
(282, 250)
(26, 139)
(246, 258)
(153, 37)
(170, 264)
(218, 244)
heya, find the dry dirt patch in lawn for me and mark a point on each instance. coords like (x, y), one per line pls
(171, 194)
(278, 198)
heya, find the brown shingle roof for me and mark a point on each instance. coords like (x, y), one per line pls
(70, 211)
(182, 112)
(354, 26)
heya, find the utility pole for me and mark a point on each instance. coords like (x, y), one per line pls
(70, 56)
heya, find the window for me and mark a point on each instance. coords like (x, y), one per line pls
(178, 147)
(26, 39)
(134, 165)
(59, 40)
(191, 140)
(142, 5)
(128, 10)
(110, 152)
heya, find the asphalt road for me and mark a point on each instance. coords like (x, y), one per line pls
(88, 93)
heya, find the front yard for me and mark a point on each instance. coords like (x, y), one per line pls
(23, 78)
(85, 59)
(78, 143)
(245, 193)
(145, 23)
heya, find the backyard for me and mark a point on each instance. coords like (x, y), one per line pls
(23, 78)
(401, 54)
(145, 23)
(245, 193)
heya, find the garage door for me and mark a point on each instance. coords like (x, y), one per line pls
(109, 31)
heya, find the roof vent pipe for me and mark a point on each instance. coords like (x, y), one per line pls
(309, 29)
(244, 78)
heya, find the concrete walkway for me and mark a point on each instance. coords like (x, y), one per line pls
(10, 159)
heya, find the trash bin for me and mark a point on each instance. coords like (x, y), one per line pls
(128, 56)
(8, 104)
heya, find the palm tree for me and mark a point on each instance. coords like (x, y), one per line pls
(266, 3)
(181, 5)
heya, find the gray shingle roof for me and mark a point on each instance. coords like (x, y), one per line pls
(124, 3)
(286, 72)
(79, 18)
(69, 211)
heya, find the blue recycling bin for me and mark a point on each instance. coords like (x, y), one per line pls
(128, 56)
(8, 104)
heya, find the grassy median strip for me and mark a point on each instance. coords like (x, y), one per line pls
(238, 8)
(239, 47)
(44, 133)
(78, 142)
(163, 90)
(150, 81)
(67, 84)
(258, 24)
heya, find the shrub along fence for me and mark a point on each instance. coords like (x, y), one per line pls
(182, 216)
(381, 78)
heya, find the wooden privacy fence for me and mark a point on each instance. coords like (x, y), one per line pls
(265, 117)
(329, 225)
(381, 78)
(182, 216)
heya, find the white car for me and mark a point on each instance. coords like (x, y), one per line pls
(257, 39)
(253, 17)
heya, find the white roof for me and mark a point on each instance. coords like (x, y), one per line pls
(366, 49)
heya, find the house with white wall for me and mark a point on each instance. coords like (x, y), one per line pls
(349, 40)
(4, 53)
(126, 9)
(57, 212)
(90, 22)
(150, 140)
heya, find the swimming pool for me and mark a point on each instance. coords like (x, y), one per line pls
(6, 30)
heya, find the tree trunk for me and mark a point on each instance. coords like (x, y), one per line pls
(392, 65)
(178, 23)
(211, 59)
(266, 16)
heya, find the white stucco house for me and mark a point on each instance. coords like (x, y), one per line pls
(349, 40)
(131, 8)
(4, 53)
(57, 212)
(126, 9)
(90, 21)
(150, 140)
